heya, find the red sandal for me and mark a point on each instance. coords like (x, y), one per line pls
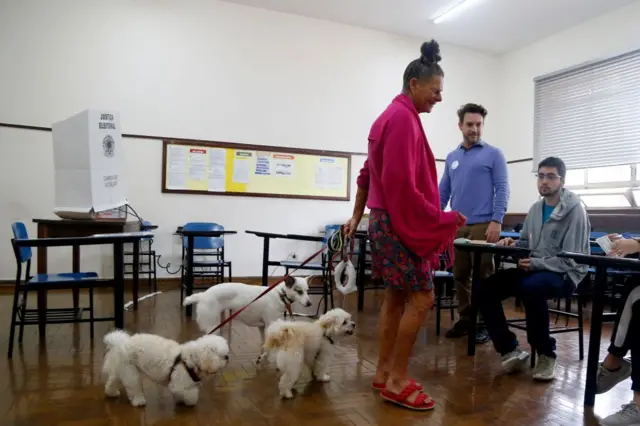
(382, 386)
(423, 401)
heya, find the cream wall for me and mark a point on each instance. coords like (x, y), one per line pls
(608, 35)
(206, 70)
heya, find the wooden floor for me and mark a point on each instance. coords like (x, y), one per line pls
(60, 384)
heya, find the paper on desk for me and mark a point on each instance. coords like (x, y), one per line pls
(468, 241)
(605, 244)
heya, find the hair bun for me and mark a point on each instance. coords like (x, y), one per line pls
(430, 51)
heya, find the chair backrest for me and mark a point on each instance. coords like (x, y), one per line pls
(204, 243)
(20, 233)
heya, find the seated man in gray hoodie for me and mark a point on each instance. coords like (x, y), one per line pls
(556, 223)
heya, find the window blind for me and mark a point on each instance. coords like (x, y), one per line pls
(589, 116)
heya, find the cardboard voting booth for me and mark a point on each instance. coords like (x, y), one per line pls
(87, 153)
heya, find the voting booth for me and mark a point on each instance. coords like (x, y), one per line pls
(87, 155)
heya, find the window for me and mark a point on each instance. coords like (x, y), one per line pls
(609, 174)
(606, 187)
(606, 198)
(587, 115)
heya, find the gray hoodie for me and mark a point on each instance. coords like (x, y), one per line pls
(567, 229)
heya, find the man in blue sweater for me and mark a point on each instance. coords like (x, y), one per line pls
(475, 180)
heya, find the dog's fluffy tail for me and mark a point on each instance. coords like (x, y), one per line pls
(116, 339)
(283, 335)
(115, 343)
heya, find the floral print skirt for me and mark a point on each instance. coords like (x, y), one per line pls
(391, 261)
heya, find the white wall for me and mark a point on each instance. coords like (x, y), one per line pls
(208, 70)
(602, 37)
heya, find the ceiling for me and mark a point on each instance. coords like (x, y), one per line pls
(491, 26)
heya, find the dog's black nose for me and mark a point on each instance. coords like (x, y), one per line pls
(226, 357)
(309, 304)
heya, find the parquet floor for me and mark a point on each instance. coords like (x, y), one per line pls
(59, 383)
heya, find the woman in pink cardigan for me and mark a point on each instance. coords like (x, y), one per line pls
(407, 228)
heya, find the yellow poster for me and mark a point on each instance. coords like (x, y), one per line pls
(220, 170)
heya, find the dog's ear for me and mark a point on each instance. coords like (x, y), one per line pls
(326, 321)
(289, 281)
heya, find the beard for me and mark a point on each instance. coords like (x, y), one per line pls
(549, 192)
(471, 139)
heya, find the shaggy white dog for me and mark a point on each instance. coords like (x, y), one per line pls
(296, 344)
(166, 362)
(234, 296)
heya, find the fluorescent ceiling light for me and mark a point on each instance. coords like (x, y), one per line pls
(454, 10)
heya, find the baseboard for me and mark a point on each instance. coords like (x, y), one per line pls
(164, 284)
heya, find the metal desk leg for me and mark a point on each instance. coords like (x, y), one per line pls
(594, 336)
(189, 274)
(473, 309)
(76, 269)
(265, 262)
(43, 232)
(118, 284)
(362, 261)
(136, 273)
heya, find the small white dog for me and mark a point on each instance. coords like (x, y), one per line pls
(234, 296)
(166, 362)
(306, 343)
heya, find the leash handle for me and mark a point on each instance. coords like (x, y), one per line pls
(267, 290)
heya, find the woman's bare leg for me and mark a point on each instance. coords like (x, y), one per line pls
(420, 302)
(612, 362)
(390, 314)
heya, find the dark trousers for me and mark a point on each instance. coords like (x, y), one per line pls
(534, 289)
(626, 335)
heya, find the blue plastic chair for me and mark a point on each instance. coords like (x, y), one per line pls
(22, 316)
(211, 251)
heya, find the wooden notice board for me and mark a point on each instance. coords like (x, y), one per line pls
(217, 168)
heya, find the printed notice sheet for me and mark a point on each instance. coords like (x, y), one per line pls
(328, 174)
(197, 164)
(217, 169)
(283, 165)
(177, 167)
(263, 164)
(242, 167)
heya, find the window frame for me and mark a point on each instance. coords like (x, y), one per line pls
(629, 186)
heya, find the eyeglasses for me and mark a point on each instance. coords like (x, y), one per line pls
(548, 176)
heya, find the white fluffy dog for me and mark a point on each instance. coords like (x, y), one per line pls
(306, 343)
(233, 296)
(166, 362)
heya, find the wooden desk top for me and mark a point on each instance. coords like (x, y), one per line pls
(98, 239)
(83, 222)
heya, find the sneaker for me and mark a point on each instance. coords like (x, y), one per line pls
(482, 336)
(608, 379)
(628, 416)
(515, 360)
(545, 369)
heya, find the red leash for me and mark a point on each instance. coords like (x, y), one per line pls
(267, 290)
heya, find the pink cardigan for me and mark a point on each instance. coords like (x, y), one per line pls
(400, 173)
